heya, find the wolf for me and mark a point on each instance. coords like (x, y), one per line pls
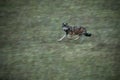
(69, 30)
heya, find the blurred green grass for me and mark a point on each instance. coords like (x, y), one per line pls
(29, 31)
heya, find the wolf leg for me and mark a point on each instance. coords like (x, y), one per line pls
(77, 38)
(62, 38)
(70, 36)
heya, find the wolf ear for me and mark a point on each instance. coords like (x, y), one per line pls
(64, 23)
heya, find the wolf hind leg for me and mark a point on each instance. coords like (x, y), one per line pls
(77, 38)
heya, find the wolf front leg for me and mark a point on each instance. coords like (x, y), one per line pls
(62, 37)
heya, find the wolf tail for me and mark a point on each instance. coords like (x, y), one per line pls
(87, 34)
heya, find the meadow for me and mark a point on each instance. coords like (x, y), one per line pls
(29, 49)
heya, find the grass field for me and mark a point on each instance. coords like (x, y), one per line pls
(29, 30)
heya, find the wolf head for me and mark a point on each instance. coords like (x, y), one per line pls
(65, 26)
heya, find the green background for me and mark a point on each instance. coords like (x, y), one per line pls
(29, 30)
